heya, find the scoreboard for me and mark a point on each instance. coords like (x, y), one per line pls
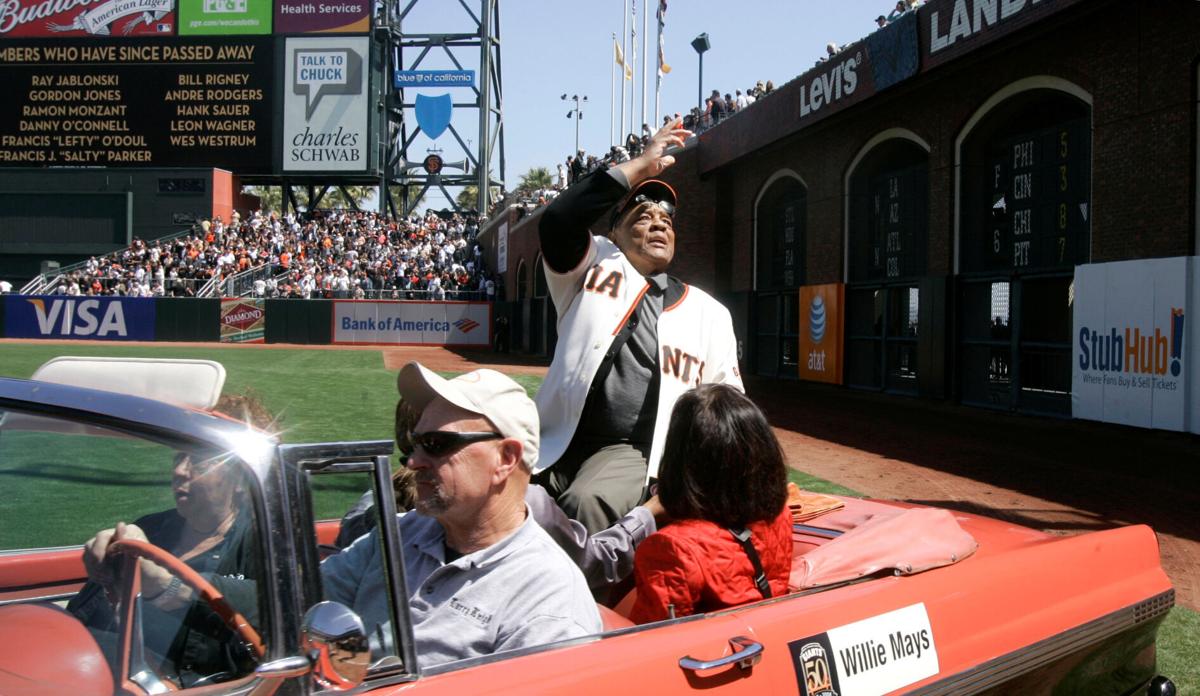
(898, 224)
(153, 102)
(1039, 185)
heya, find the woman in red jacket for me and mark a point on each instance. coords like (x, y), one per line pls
(723, 481)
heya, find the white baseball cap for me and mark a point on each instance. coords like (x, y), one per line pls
(486, 392)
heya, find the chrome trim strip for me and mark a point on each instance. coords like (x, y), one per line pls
(997, 671)
(816, 531)
(44, 549)
(40, 598)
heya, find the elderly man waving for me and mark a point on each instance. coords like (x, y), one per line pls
(482, 575)
(631, 338)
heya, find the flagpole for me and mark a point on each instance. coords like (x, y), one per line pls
(612, 98)
(658, 72)
(645, 54)
(625, 67)
(632, 56)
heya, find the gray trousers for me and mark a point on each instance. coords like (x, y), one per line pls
(597, 488)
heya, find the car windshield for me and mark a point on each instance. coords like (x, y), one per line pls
(186, 512)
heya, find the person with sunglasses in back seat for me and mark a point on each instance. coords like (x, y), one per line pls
(482, 576)
(631, 339)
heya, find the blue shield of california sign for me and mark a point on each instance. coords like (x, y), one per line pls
(433, 114)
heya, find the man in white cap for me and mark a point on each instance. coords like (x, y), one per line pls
(482, 575)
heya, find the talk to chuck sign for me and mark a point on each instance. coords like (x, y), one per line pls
(137, 103)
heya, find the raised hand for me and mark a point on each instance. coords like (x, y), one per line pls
(654, 158)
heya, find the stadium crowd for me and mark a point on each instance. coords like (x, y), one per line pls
(338, 254)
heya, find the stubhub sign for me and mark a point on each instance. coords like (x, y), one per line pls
(105, 318)
(1135, 354)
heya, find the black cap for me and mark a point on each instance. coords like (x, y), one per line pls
(651, 189)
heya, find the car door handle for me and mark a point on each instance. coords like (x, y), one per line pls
(746, 654)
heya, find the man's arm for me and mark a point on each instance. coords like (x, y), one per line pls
(342, 572)
(605, 557)
(563, 227)
(724, 343)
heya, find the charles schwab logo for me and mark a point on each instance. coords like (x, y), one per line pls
(1126, 357)
(319, 73)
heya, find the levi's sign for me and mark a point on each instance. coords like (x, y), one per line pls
(109, 318)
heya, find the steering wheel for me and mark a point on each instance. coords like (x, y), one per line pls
(134, 549)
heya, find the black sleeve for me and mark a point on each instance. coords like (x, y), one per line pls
(563, 227)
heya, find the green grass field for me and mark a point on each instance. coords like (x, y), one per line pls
(318, 396)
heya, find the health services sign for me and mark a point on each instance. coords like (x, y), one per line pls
(1136, 358)
(412, 323)
(104, 318)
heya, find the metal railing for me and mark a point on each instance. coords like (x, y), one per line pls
(390, 294)
(172, 287)
(44, 285)
(35, 286)
(241, 284)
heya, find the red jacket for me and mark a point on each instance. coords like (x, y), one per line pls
(699, 567)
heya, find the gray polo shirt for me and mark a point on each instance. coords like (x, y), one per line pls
(519, 592)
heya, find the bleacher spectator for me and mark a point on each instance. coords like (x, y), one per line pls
(326, 254)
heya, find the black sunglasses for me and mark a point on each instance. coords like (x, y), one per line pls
(666, 206)
(439, 443)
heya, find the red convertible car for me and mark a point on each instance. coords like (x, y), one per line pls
(887, 598)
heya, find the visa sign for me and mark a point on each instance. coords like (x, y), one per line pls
(109, 318)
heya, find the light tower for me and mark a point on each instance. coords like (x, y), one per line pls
(476, 46)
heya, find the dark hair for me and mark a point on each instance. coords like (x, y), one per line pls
(247, 408)
(721, 461)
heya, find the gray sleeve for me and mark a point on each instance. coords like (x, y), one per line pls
(605, 557)
(342, 572)
(540, 630)
(357, 521)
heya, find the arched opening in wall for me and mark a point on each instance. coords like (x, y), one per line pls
(887, 251)
(540, 289)
(522, 280)
(1024, 224)
(780, 215)
(542, 317)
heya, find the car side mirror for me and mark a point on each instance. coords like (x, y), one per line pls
(333, 638)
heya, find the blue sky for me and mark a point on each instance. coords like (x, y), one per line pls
(553, 47)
